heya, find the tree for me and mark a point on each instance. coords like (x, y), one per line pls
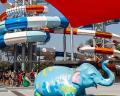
(118, 47)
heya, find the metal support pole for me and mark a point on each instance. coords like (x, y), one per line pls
(15, 58)
(103, 29)
(23, 2)
(23, 57)
(34, 57)
(15, 49)
(31, 1)
(100, 27)
(64, 46)
(23, 50)
(39, 55)
(103, 40)
(72, 45)
(30, 55)
(94, 43)
(30, 50)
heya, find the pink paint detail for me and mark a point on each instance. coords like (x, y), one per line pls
(76, 77)
(25, 95)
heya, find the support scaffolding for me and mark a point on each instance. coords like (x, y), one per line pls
(100, 41)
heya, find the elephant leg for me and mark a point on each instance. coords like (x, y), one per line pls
(37, 94)
(82, 93)
(69, 95)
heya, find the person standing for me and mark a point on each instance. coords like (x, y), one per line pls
(26, 82)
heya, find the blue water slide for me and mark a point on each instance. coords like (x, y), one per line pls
(22, 37)
(32, 22)
(8, 26)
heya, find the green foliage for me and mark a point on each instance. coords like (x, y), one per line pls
(43, 65)
(118, 47)
(5, 65)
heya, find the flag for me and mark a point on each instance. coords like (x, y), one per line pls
(85, 12)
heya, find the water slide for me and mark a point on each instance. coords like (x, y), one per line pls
(77, 31)
(108, 51)
(23, 9)
(8, 25)
(106, 35)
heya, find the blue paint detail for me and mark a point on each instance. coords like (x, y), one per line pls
(53, 22)
(48, 37)
(54, 83)
(33, 36)
(64, 22)
(51, 81)
(59, 54)
(2, 28)
(3, 31)
(2, 43)
(16, 23)
(54, 90)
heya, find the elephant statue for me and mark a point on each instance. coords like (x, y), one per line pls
(65, 81)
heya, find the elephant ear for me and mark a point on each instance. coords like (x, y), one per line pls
(76, 77)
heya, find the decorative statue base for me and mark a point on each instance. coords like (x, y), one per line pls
(65, 81)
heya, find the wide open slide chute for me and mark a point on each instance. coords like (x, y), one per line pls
(22, 9)
(107, 51)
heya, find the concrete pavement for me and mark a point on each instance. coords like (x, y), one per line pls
(113, 90)
(22, 91)
(16, 91)
(5, 92)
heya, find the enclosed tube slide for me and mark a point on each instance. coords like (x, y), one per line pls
(28, 22)
(23, 9)
(108, 51)
(22, 37)
(32, 22)
(7, 26)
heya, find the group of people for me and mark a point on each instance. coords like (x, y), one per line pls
(9, 78)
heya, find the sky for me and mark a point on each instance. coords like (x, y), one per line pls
(56, 40)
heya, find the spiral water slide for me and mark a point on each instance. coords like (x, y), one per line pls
(8, 38)
(8, 25)
(106, 35)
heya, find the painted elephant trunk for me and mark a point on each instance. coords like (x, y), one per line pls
(111, 77)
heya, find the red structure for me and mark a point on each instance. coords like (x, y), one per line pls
(3, 1)
(84, 12)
